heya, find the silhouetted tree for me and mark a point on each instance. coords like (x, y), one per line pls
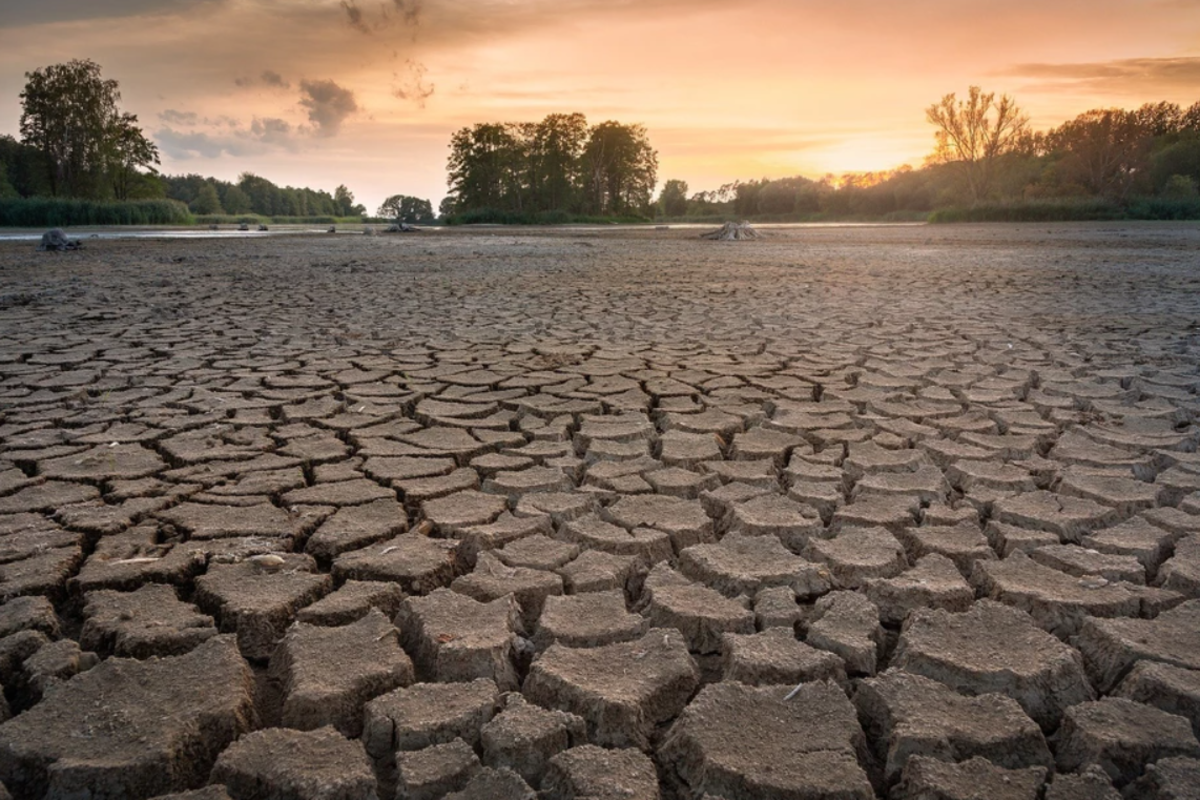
(974, 133)
(621, 169)
(672, 201)
(404, 208)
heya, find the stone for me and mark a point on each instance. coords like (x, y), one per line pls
(494, 784)
(1111, 647)
(30, 613)
(418, 564)
(593, 532)
(856, 555)
(776, 657)
(435, 771)
(258, 602)
(297, 765)
(847, 625)
(1168, 779)
(524, 737)
(352, 602)
(427, 714)
(933, 779)
(1090, 784)
(151, 621)
(455, 638)
(792, 523)
(492, 579)
(933, 582)
(744, 565)
(1171, 689)
(588, 620)
(995, 649)
(684, 521)
(734, 740)
(701, 614)
(588, 772)
(621, 690)
(907, 715)
(1181, 572)
(597, 571)
(326, 675)
(1122, 737)
(131, 728)
(356, 526)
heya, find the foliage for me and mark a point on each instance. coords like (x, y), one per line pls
(405, 208)
(51, 212)
(969, 136)
(89, 147)
(256, 195)
(491, 216)
(343, 199)
(558, 164)
(673, 201)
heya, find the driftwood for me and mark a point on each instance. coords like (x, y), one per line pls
(402, 227)
(55, 239)
(732, 232)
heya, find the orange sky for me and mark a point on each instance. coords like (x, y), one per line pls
(367, 93)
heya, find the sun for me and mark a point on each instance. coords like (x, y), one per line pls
(864, 154)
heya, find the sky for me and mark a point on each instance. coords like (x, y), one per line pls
(366, 93)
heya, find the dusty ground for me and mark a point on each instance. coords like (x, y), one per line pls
(846, 512)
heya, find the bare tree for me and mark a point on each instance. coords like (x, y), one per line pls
(974, 133)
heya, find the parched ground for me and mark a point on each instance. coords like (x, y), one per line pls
(842, 513)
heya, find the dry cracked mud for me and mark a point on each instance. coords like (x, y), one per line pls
(869, 512)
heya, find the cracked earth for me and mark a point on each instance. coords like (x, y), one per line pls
(882, 512)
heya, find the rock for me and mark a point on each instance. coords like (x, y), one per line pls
(1111, 647)
(588, 772)
(1122, 737)
(452, 637)
(1090, 784)
(131, 728)
(858, 554)
(933, 779)
(907, 715)
(56, 662)
(791, 522)
(590, 620)
(435, 771)
(741, 741)
(352, 602)
(744, 565)
(151, 621)
(524, 737)
(1171, 689)
(1169, 779)
(776, 657)
(55, 240)
(426, 714)
(994, 648)
(494, 784)
(419, 564)
(309, 765)
(933, 582)
(847, 625)
(622, 690)
(492, 579)
(328, 674)
(259, 603)
(701, 614)
(356, 526)
(29, 614)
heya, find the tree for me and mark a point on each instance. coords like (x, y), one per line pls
(484, 167)
(672, 201)
(343, 198)
(620, 168)
(403, 208)
(70, 114)
(969, 136)
(207, 201)
(1105, 151)
(234, 200)
(556, 145)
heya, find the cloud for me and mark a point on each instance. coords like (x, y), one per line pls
(411, 84)
(272, 78)
(328, 105)
(1126, 76)
(406, 12)
(173, 117)
(18, 14)
(354, 16)
(264, 135)
(271, 130)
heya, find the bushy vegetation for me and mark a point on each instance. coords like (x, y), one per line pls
(53, 212)
(491, 216)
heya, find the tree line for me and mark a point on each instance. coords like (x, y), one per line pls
(560, 165)
(987, 162)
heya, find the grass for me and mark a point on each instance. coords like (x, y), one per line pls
(1073, 210)
(489, 216)
(56, 212)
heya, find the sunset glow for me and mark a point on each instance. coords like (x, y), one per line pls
(766, 88)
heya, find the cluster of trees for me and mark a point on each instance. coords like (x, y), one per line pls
(256, 195)
(986, 153)
(560, 164)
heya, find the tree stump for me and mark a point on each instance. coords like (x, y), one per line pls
(732, 232)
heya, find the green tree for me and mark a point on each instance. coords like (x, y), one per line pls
(404, 208)
(6, 188)
(974, 133)
(234, 200)
(343, 199)
(1107, 150)
(620, 169)
(485, 167)
(207, 201)
(556, 146)
(70, 114)
(672, 201)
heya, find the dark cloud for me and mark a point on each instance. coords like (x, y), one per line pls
(409, 10)
(328, 105)
(272, 78)
(226, 136)
(1129, 75)
(271, 130)
(411, 85)
(354, 16)
(243, 82)
(173, 117)
(17, 13)
(405, 12)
